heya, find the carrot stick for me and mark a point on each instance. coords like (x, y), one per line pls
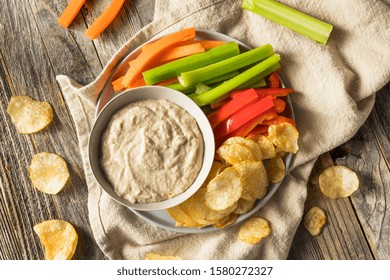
(117, 84)
(70, 12)
(209, 44)
(104, 20)
(168, 82)
(149, 55)
(182, 51)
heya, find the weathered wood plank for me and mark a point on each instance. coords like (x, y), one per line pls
(369, 155)
(341, 238)
(30, 72)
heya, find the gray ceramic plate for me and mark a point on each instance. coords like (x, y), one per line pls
(160, 218)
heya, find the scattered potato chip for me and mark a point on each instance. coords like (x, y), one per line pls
(244, 206)
(224, 190)
(284, 136)
(338, 181)
(253, 230)
(196, 208)
(181, 218)
(266, 146)
(234, 153)
(226, 221)
(254, 179)
(154, 256)
(314, 220)
(29, 115)
(250, 144)
(58, 237)
(48, 172)
(276, 169)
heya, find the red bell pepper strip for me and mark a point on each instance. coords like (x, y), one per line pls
(232, 106)
(280, 105)
(273, 80)
(219, 104)
(249, 126)
(275, 92)
(243, 116)
(279, 120)
(259, 130)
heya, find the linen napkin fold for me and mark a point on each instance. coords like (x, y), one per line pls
(335, 89)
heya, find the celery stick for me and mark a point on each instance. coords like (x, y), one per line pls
(304, 24)
(180, 87)
(199, 75)
(253, 83)
(219, 91)
(201, 88)
(174, 68)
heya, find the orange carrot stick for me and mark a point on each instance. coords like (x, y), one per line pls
(209, 44)
(182, 51)
(104, 20)
(150, 54)
(170, 81)
(70, 12)
(117, 84)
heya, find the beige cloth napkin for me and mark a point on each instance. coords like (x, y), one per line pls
(335, 86)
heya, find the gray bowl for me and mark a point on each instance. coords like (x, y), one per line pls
(151, 92)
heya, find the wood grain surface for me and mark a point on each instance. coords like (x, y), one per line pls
(34, 49)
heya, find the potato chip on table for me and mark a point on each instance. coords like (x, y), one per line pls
(314, 220)
(59, 239)
(29, 115)
(338, 181)
(48, 172)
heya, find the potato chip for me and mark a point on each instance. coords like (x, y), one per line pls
(29, 115)
(284, 136)
(154, 256)
(266, 146)
(226, 221)
(276, 169)
(244, 206)
(338, 181)
(234, 153)
(314, 220)
(250, 144)
(48, 172)
(216, 168)
(196, 208)
(58, 237)
(224, 190)
(253, 230)
(254, 179)
(181, 218)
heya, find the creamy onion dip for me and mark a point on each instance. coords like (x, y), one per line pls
(151, 150)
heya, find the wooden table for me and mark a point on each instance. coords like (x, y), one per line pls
(34, 49)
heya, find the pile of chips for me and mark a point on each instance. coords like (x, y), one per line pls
(240, 176)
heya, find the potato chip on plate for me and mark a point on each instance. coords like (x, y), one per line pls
(48, 172)
(253, 230)
(314, 220)
(226, 221)
(224, 190)
(58, 237)
(276, 169)
(284, 136)
(234, 153)
(338, 181)
(196, 208)
(154, 256)
(244, 206)
(181, 218)
(29, 115)
(254, 179)
(250, 144)
(266, 146)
